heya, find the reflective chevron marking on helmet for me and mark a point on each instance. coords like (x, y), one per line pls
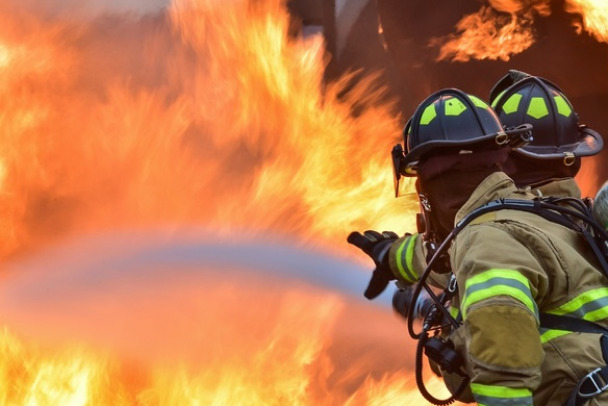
(497, 99)
(498, 282)
(512, 103)
(428, 115)
(454, 107)
(547, 335)
(478, 102)
(537, 108)
(501, 395)
(563, 107)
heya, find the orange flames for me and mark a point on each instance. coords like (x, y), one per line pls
(218, 119)
(506, 27)
(170, 339)
(490, 34)
(594, 16)
(207, 115)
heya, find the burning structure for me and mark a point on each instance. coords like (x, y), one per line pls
(471, 44)
(127, 136)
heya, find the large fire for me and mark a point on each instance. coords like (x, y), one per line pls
(209, 118)
(207, 115)
(215, 116)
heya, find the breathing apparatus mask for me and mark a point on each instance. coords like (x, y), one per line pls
(447, 181)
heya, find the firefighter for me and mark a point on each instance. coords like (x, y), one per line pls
(550, 162)
(512, 267)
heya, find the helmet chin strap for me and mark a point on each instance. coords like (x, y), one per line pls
(432, 232)
(397, 155)
(447, 183)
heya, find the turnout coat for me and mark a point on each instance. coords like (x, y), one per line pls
(511, 266)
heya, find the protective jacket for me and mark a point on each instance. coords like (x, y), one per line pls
(408, 257)
(511, 266)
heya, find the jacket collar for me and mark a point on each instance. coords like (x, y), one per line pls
(565, 187)
(496, 186)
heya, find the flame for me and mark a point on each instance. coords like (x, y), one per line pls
(208, 354)
(210, 115)
(495, 32)
(594, 17)
(229, 126)
(505, 28)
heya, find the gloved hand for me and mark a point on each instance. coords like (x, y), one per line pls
(376, 245)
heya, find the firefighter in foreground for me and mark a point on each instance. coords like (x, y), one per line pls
(512, 267)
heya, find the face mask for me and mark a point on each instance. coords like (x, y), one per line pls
(447, 182)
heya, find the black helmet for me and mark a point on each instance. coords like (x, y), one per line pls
(451, 118)
(521, 98)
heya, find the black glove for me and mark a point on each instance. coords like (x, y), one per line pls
(375, 245)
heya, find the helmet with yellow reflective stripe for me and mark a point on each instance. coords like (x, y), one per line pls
(452, 119)
(521, 98)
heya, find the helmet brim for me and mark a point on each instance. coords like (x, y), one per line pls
(409, 165)
(590, 144)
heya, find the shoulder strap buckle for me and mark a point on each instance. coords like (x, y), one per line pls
(453, 284)
(594, 381)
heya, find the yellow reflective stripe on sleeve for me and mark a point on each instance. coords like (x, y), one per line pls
(591, 305)
(498, 282)
(491, 395)
(405, 257)
(548, 335)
